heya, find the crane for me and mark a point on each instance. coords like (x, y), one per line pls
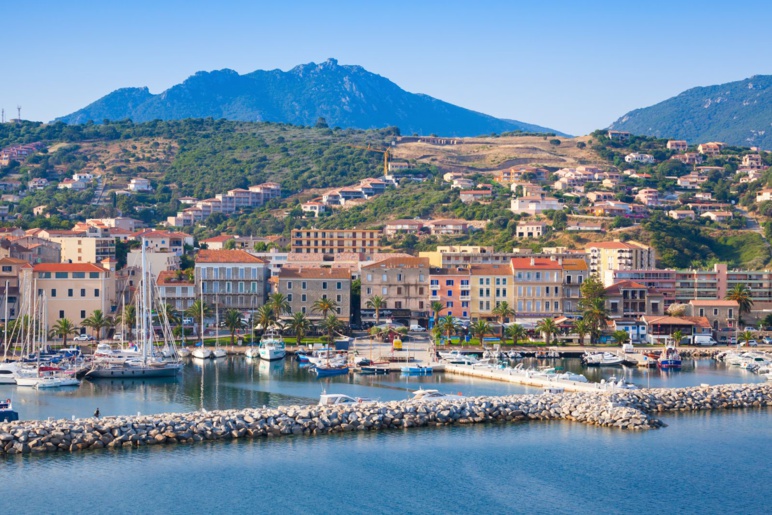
(385, 156)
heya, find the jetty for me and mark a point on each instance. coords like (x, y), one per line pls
(627, 410)
(527, 377)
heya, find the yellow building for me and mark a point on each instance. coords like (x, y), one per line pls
(616, 255)
(490, 285)
(335, 241)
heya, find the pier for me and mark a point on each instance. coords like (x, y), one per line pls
(528, 378)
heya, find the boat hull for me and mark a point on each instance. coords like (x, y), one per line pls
(670, 363)
(272, 354)
(132, 373)
(329, 372)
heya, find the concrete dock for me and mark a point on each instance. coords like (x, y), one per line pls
(522, 377)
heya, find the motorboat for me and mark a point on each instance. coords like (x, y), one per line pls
(456, 357)
(331, 370)
(272, 346)
(373, 370)
(597, 359)
(7, 414)
(670, 358)
(338, 399)
(8, 373)
(422, 395)
(417, 370)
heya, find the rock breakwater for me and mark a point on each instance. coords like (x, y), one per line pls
(629, 410)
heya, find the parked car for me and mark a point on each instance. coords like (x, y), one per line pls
(766, 340)
(417, 328)
(187, 321)
(83, 338)
(751, 329)
(732, 340)
(749, 343)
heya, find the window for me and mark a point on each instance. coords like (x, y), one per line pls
(339, 285)
(240, 287)
(338, 310)
(465, 304)
(45, 275)
(289, 297)
(715, 312)
(450, 293)
(96, 292)
(53, 292)
(324, 285)
(303, 309)
(421, 278)
(303, 285)
(463, 314)
(482, 305)
(339, 298)
(61, 275)
(385, 278)
(420, 304)
(434, 282)
(464, 282)
(449, 304)
(482, 281)
(83, 292)
(369, 277)
(253, 286)
(289, 285)
(450, 282)
(368, 291)
(398, 305)
(498, 281)
(69, 292)
(228, 286)
(702, 312)
(384, 291)
(7, 268)
(82, 313)
(504, 281)
(303, 297)
(61, 313)
(79, 275)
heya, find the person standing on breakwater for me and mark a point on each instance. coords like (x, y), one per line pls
(96, 413)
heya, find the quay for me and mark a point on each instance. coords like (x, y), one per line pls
(626, 410)
(526, 378)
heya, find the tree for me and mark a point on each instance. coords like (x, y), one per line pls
(229, 244)
(300, 325)
(503, 310)
(621, 337)
(548, 327)
(321, 123)
(128, 319)
(265, 317)
(742, 295)
(582, 328)
(324, 306)
(63, 328)
(376, 303)
(517, 332)
(330, 325)
(168, 312)
(678, 336)
(555, 142)
(446, 326)
(198, 311)
(233, 322)
(596, 315)
(437, 307)
(98, 321)
(480, 329)
(279, 304)
(746, 336)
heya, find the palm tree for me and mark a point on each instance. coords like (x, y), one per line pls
(279, 304)
(64, 328)
(677, 337)
(582, 328)
(480, 329)
(596, 315)
(742, 295)
(330, 325)
(746, 336)
(128, 318)
(265, 317)
(300, 325)
(323, 306)
(233, 322)
(516, 332)
(98, 321)
(503, 310)
(198, 311)
(620, 337)
(548, 328)
(446, 326)
(377, 303)
(437, 308)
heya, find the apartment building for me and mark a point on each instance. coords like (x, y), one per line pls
(71, 290)
(617, 255)
(677, 145)
(176, 290)
(304, 286)
(490, 286)
(526, 229)
(10, 273)
(165, 241)
(575, 272)
(230, 202)
(538, 291)
(629, 299)
(334, 241)
(91, 245)
(451, 287)
(722, 314)
(231, 279)
(463, 255)
(712, 148)
(404, 285)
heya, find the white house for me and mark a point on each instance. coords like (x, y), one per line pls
(635, 157)
(532, 204)
(139, 184)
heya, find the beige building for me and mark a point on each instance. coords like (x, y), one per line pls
(72, 290)
(617, 255)
(89, 246)
(527, 229)
(539, 287)
(10, 272)
(304, 286)
(404, 285)
(176, 290)
(490, 285)
(334, 241)
(722, 314)
(231, 279)
(677, 145)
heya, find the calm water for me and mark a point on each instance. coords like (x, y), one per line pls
(701, 463)
(235, 382)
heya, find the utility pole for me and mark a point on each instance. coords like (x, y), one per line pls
(18, 109)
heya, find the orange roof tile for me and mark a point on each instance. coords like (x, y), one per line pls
(525, 263)
(226, 256)
(67, 267)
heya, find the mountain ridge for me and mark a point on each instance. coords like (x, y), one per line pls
(737, 113)
(347, 96)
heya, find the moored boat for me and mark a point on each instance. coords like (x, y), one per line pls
(272, 346)
(338, 399)
(670, 358)
(422, 395)
(7, 414)
(331, 370)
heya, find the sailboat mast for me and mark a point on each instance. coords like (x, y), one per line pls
(5, 324)
(146, 340)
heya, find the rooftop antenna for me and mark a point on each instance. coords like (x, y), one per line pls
(18, 109)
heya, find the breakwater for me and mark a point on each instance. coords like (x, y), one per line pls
(628, 410)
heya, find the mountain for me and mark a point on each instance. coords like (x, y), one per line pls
(738, 113)
(346, 96)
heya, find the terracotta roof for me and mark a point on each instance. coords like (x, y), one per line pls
(158, 234)
(524, 263)
(314, 273)
(218, 239)
(615, 288)
(170, 277)
(12, 261)
(575, 264)
(700, 321)
(226, 256)
(448, 221)
(714, 303)
(67, 267)
(667, 320)
(487, 269)
(476, 192)
(404, 262)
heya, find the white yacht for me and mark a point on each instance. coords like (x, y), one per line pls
(338, 399)
(272, 346)
(201, 353)
(422, 395)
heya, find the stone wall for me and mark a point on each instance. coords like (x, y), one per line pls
(630, 410)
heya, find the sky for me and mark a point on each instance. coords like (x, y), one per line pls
(568, 65)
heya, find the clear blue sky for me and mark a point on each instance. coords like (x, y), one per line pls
(574, 66)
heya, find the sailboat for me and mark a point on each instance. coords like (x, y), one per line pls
(201, 352)
(147, 365)
(217, 352)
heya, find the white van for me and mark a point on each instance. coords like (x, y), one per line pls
(704, 340)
